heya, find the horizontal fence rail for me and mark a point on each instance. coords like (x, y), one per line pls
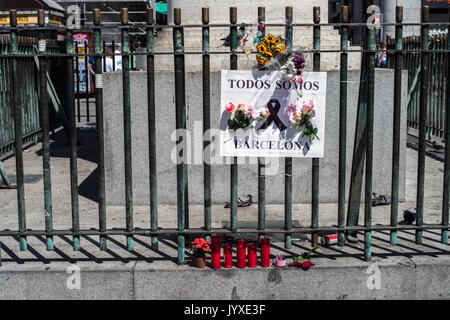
(428, 111)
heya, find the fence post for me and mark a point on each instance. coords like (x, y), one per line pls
(127, 127)
(87, 75)
(180, 114)
(70, 101)
(234, 166)
(18, 128)
(446, 191)
(100, 128)
(77, 62)
(206, 120)
(261, 164)
(396, 123)
(369, 143)
(152, 127)
(288, 161)
(43, 111)
(422, 121)
(315, 161)
(343, 123)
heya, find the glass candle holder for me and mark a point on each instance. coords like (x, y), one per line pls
(251, 255)
(228, 255)
(215, 252)
(241, 253)
(265, 252)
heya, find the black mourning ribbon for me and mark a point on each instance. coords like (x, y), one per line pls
(274, 106)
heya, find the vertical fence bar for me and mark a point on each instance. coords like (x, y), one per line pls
(288, 161)
(446, 191)
(43, 111)
(396, 123)
(234, 165)
(343, 123)
(70, 101)
(152, 127)
(18, 128)
(100, 127)
(315, 161)
(127, 126)
(206, 119)
(261, 162)
(369, 142)
(180, 105)
(113, 46)
(422, 121)
(77, 62)
(104, 57)
(87, 77)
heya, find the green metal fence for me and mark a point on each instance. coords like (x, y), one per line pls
(362, 156)
(27, 69)
(437, 87)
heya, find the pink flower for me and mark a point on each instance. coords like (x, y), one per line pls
(308, 107)
(230, 107)
(250, 112)
(265, 113)
(261, 27)
(306, 265)
(291, 108)
(244, 40)
(294, 117)
(241, 107)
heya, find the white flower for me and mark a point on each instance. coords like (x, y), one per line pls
(289, 67)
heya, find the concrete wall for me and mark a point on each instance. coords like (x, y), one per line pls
(411, 14)
(247, 12)
(419, 278)
(165, 118)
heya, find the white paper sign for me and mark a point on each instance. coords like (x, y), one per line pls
(274, 136)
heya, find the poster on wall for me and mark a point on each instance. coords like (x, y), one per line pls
(265, 114)
(81, 42)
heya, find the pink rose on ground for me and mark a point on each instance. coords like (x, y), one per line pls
(306, 265)
(230, 107)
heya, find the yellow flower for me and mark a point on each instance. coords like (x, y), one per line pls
(261, 47)
(269, 38)
(262, 60)
(277, 41)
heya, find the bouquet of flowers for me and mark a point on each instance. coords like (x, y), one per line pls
(243, 115)
(302, 118)
(294, 66)
(200, 246)
(268, 48)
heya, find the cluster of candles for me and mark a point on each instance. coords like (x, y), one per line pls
(246, 253)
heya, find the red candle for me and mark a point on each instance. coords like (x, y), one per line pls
(215, 252)
(227, 253)
(241, 253)
(215, 243)
(265, 252)
(251, 255)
